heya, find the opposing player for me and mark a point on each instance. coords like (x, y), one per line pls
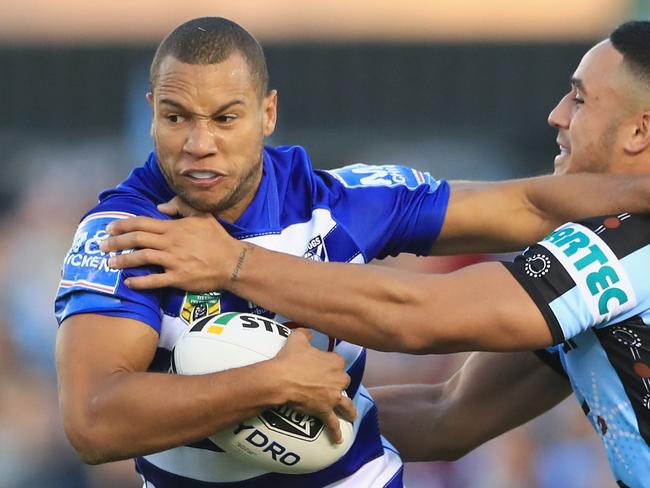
(212, 111)
(516, 387)
(583, 287)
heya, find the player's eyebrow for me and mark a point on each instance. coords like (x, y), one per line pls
(577, 82)
(181, 108)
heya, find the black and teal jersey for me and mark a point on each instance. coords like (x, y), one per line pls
(591, 281)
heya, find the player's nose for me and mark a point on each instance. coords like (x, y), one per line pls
(559, 117)
(201, 140)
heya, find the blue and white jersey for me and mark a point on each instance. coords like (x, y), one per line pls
(352, 214)
(590, 281)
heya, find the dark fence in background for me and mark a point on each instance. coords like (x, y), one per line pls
(493, 87)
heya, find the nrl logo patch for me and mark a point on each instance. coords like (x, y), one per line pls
(316, 250)
(286, 420)
(199, 305)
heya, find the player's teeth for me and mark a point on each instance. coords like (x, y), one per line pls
(202, 174)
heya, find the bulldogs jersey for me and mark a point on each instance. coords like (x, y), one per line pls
(590, 281)
(352, 214)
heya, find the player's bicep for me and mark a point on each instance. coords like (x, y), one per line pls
(482, 307)
(90, 348)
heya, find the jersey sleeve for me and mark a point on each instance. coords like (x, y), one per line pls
(551, 357)
(588, 274)
(388, 209)
(89, 285)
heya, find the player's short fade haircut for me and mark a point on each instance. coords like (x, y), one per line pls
(210, 40)
(632, 40)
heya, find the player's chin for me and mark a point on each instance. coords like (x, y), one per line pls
(202, 201)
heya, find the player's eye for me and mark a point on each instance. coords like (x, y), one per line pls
(174, 118)
(225, 119)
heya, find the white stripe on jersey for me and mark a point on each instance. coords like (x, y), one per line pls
(203, 465)
(376, 473)
(293, 239)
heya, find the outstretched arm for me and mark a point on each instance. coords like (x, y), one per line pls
(489, 395)
(508, 215)
(481, 307)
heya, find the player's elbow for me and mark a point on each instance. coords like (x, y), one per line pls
(85, 442)
(87, 436)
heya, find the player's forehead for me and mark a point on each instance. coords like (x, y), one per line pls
(204, 84)
(599, 67)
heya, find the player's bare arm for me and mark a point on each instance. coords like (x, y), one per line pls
(508, 215)
(448, 420)
(113, 409)
(381, 308)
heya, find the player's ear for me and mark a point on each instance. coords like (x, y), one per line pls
(639, 141)
(149, 97)
(270, 107)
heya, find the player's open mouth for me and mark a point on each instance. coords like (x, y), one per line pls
(564, 149)
(202, 178)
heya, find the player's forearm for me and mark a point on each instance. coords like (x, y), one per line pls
(392, 310)
(560, 199)
(408, 418)
(490, 395)
(507, 216)
(132, 414)
(360, 304)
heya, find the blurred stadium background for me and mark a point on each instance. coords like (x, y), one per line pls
(461, 89)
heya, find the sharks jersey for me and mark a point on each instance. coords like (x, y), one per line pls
(352, 214)
(590, 281)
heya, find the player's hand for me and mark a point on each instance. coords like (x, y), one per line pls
(315, 381)
(195, 252)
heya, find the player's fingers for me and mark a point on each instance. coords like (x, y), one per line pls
(132, 240)
(146, 224)
(142, 257)
(333, 427)
(154, 280)
(346, 409)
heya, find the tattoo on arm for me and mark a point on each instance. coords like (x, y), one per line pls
(239, 264)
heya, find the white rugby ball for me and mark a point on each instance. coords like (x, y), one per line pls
(280, 439)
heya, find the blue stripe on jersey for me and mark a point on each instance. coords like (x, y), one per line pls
(345, 248)
(609, 410)
(355, 371)
(572, 313)
(362, 451)
(636, 268)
